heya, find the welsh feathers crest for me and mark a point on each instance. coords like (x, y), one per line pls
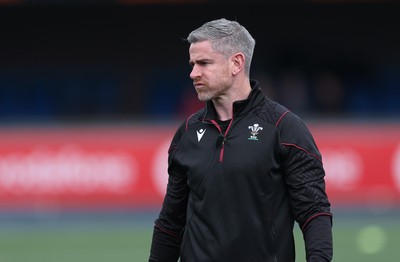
(254, 131)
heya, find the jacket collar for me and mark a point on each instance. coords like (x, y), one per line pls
(240, 107)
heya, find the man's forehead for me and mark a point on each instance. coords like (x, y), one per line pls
(203, 46)
(201, 51)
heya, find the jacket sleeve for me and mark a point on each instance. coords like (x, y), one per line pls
(170, 224)
(304, 177)
(318, 239)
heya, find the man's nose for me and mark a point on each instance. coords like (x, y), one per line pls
(195, 72)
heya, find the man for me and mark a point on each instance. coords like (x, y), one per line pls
(242, 169)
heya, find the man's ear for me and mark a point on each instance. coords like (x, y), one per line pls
(238, 63)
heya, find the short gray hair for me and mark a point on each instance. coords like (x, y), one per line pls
(227, 37)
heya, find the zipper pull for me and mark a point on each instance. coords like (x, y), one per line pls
(220, 140)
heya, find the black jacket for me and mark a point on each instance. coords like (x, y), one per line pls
(234, 195)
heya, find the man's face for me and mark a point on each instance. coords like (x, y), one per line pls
(211, 71)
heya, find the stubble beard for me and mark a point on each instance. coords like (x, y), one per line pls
(207, 95)
(203, 96)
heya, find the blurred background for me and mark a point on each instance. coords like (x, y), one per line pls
(91, 93)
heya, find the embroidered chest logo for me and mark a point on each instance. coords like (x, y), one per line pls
(200, 134)
(254, 131)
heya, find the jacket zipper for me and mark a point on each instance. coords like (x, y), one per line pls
(221, 153)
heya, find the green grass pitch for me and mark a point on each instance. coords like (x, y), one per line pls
(356, 238)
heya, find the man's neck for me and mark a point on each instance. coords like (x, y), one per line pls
(224, 104)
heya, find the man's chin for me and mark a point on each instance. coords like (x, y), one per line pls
(204, 98)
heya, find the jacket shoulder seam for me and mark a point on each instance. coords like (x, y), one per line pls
(194, 118)
(271, 112)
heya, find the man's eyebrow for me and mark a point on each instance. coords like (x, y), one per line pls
(201, 60)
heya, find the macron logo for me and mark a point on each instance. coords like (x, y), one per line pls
(200, 134)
